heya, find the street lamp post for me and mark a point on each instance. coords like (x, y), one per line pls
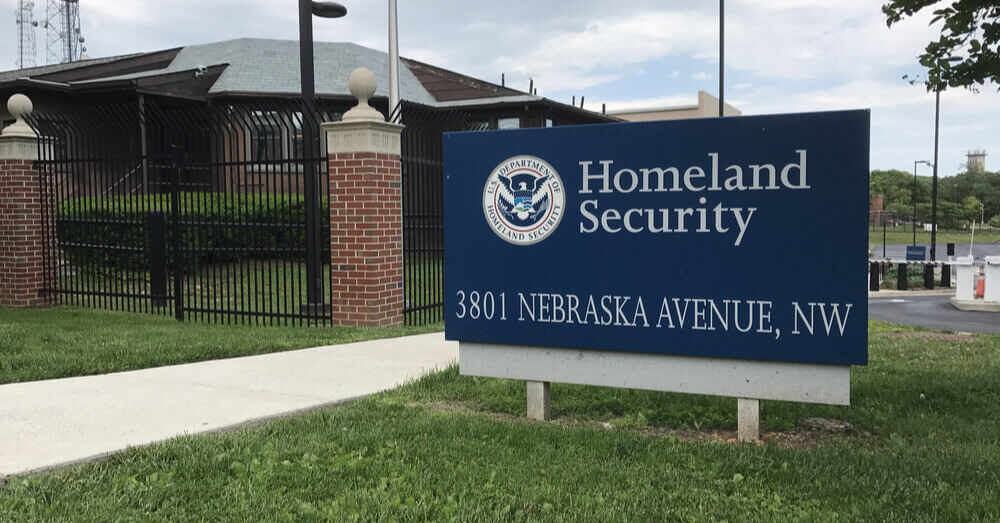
(934, 183)
(914, 221)
(310, 151)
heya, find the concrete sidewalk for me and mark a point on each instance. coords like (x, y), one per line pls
(46, 424)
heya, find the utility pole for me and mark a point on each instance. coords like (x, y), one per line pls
(915, 198)
(934, 183)
(914, 220)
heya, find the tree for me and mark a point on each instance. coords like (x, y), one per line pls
(972, 209)
(984, 185)
(968, 51)
(897, 188)
(950, 215)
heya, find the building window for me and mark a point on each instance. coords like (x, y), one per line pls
(265, 137)
(55, 142)
(509, 123)
(549, 122)
(277, 137)
(298, 143)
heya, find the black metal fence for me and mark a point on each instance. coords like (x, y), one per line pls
(190, 210)
(219, 212)
(423, 207)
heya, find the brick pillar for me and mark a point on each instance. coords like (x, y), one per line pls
(24, 265)
(366, 218)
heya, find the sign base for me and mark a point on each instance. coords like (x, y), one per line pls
(748, 379)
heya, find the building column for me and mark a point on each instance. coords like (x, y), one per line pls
(24, 264)
(366, 216)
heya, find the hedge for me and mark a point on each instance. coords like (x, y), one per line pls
(113, 232)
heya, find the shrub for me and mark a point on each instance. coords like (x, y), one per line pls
(114, 232)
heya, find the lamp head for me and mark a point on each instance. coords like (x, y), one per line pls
(328, 9)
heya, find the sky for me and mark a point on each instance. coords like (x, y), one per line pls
(781, 55)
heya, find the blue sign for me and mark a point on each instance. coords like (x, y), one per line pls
(738, 237)
(916, 253)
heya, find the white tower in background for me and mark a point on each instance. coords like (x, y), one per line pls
(64, 41)
(976, 160)
(26, 24)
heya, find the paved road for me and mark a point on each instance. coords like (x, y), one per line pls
(45, 424)
(979, 250)
(933, 312)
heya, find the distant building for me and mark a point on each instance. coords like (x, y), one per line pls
(255, 75)
(877, 215)
(976, 160)
(707, 107)
(254, 68)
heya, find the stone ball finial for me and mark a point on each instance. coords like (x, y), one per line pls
(362, 84)
(19, 106)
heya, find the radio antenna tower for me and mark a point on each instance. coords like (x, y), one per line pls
(26, 25)
(64, 42)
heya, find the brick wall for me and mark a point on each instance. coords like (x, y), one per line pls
(875, 208)
(23, 267)
(366, 247)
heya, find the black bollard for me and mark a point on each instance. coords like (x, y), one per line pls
(873, 276)
(929, 276)
(901, 277)
(946, 269)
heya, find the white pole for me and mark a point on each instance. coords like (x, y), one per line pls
(393, 60)
(972, 240)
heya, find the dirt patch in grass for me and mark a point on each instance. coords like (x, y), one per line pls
(782, 439)
(930, 336)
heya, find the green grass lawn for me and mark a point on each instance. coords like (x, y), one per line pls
(903, 235)
(926, 446)
(65, 341)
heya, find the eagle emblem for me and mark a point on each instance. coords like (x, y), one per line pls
(523, 200)
(523, 197)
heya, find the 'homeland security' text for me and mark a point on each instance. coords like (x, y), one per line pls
(705, 219)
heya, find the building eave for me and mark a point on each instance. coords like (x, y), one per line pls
(527, 99)
(657, 109)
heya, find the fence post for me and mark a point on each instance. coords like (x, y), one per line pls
(157, 225)
(26, 215)
(366, 218)
(175, 219)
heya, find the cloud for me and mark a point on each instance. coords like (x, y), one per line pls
(781, 55)
(699, 76)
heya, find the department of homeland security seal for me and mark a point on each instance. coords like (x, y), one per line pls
(524, 200)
